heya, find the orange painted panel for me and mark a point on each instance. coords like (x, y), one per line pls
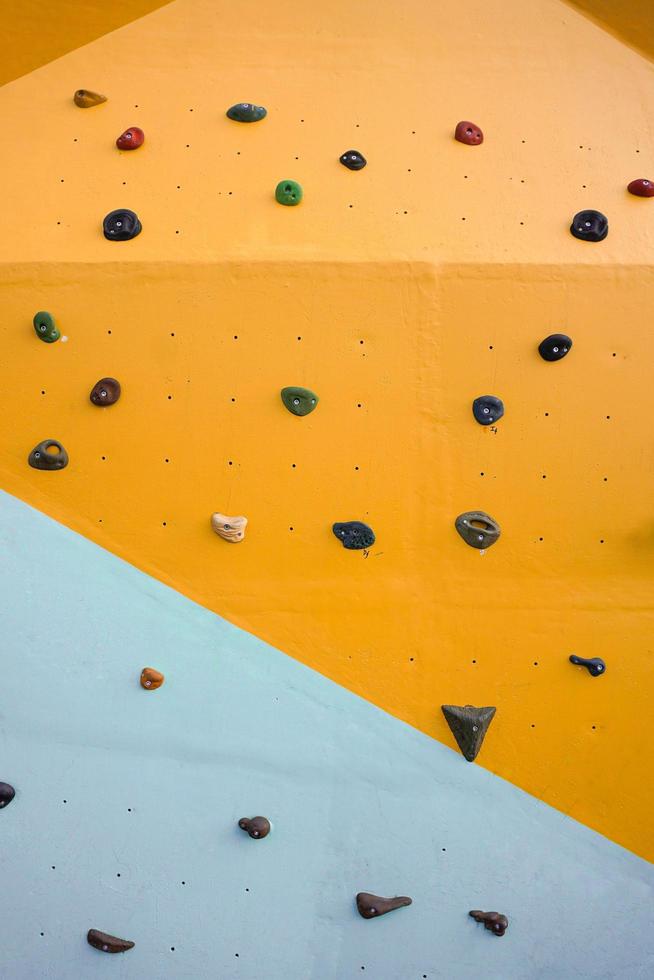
(398, 294)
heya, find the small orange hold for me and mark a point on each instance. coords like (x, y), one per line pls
(151, 679)
(131, 139)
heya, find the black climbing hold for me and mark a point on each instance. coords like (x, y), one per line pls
(354, 534)
(7, 794)
(371, 906)
(488, 409)
(246, 112)
(255, 827)
(477, 529)
(353, 160)
(299, 401)
(554, 347)
(106, 943)
(495, 921)
(105, 392)
(590, 226)
(595, 665)
(121, 225)
(469, 726)
(41, 459)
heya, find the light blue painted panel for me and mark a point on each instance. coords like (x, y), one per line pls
(127, 801)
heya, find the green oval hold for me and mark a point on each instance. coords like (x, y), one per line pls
(288, 192)
(299, 401)
(45, 327)
(246, 112)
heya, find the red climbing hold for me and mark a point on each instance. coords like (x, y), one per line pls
(131, 139)
(641, 187)
(468, 133)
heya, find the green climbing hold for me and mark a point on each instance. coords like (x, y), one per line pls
(299, 401)
(469, 726)
(45, 327)
(288, 192)
(246, 112)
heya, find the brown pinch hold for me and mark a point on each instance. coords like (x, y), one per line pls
(151, 679)
(106, 943)
(495, 921)
(86, 99)
(468, 133)
(256, 827)
(371, 906)
(105, 392)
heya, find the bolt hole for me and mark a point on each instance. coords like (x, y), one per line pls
(299, 338)
(290, 528)
(163, 524)
(535, 663)
(474, 661)
(235, 336)
(229, 462)
(490, 346)
(170, 397)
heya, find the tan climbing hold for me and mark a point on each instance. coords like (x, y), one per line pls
(151, 679)
(229, 528)
(85, 99)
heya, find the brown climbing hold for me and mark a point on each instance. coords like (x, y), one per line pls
(256, 827)
(370, 906)
(85, 99)
(495, 921)
(641, 187)
(229, 528)
(468, 133)
(151, 679)
(106, 943)
(105, 392)
(469, 726)
(131, 139)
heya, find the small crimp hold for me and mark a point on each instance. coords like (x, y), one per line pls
(106, 943)
(151, 679)
(495, 921)
(371, 906)
(86, 99)
(595, 666)
(256, 827)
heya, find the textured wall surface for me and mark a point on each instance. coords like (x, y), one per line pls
(126, 807)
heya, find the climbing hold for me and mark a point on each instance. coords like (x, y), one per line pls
(41, 459)
(468, 133)
(469, 726)
(353, 160)
(554, 347)
(105, 392)
(85, 99)
(288, 192)
(121, 225)
(590, 226)
(641, 187)
(45, 327)
(246, 112)
(229, 528)
(477, 529)
(256, 827)
(595, 665)
(7, 794)
(299, 401)
(106, 943)
(151, 679)
(370, 906)
(495, 921)
(354, 534)
(488, 409)
(131, 139)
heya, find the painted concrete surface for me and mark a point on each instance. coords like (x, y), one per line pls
(126, 805)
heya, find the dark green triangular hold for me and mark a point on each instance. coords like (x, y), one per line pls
(469, 726)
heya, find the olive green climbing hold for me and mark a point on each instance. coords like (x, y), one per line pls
(477, 529)
(41, 459)
(288, 192)
(246, 112)
(469, 726)
(45, 328)
(299, 401)
(86, 100)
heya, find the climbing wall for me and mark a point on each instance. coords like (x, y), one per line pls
(398, 294)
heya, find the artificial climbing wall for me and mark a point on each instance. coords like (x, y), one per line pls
(398, 294)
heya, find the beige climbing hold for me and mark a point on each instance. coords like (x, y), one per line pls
(229, 528)
(85, 99)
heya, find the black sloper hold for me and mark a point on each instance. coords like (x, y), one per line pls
(7, 794)
(554, 347)
(354, 534)
(488, 409)
(353, 160)
(590, 226)
(121, 225)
